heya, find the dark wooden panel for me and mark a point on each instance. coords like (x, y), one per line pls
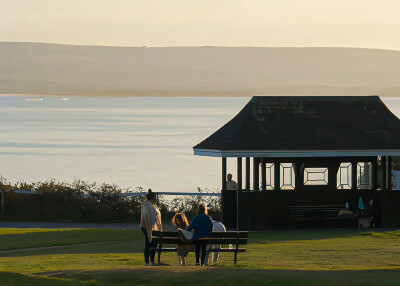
(270, 209)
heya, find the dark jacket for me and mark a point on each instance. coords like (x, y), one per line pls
(202, 226)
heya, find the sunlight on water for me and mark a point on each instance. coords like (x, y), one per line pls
(128, 141)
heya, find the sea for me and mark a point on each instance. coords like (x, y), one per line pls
(127, 141)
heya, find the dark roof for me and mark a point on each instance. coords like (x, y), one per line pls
(307, 123)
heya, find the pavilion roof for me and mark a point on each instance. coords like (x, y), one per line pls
(307, 126)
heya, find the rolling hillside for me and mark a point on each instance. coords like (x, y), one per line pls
(36, 68)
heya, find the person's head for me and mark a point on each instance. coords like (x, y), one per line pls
(180, 220)
(151, 196)
(229, 177)
(202, 209)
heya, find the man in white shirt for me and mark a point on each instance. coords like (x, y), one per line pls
(231, 184)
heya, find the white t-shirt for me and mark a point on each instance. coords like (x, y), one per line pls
(231, 185)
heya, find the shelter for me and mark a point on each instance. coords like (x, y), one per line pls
(307, 151)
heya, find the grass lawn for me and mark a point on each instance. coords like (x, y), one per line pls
(114, 257)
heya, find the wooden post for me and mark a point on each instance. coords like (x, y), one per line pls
(354, 174)
(263, 176)
(3, 196)
(384, 173)
(375, 173)
(248, 173)
(223, 173)
(236, 249)
(239, 188)
(298, 176)
(332, 175)
(277, 177)
(239, 173)
(256, 182)
(389, 163)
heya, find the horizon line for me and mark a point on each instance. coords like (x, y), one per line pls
(200, 46)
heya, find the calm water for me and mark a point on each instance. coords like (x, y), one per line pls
(128, 141)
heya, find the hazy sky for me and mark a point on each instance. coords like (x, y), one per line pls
(343, 23)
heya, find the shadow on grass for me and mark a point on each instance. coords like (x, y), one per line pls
(111, 247)
(9, 278)
(228, 276)
(302, 234)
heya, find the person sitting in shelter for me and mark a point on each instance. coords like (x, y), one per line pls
(202, 226)
(231, 184)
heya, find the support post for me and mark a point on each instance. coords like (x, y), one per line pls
(277, 177)
(298, 176)
(239, 188)
(256, 181)
(389, 163)
(248, 173)
(263, 175)
(384, 173)
(239, 173)
(3, 196)
(332, 175)
(354, 174)
(223, 173)
(375, 173)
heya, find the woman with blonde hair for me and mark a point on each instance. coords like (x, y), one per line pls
(150, 219)
(180, 221)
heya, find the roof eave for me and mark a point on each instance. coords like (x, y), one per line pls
(294, 153)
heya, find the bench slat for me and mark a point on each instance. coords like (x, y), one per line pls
(216, 234)
(168, 240)
(208, 250)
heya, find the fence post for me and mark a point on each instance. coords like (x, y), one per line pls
(3, 196)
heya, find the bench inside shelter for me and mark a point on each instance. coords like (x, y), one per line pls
(171, 238)
(320, 213)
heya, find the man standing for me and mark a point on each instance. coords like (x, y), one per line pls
(231, 184)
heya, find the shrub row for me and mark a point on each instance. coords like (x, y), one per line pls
(84, 202)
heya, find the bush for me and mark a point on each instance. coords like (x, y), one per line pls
(83, 202)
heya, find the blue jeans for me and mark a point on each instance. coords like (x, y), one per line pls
(200, 246)
(147, 252)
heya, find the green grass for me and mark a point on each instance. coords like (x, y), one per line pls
(114, 257)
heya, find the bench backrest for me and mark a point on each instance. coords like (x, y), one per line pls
(320, 208)
(228, 237)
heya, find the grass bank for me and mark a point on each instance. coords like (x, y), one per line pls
(114, 257)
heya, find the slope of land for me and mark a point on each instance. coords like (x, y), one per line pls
(64, 69)
(115, 257)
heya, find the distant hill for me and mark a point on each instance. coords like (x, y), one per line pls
(94, 70)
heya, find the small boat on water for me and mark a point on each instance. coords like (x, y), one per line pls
(34, 99)
(64, 99)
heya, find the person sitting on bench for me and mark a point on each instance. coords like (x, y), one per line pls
(180, 221)
(202, 226)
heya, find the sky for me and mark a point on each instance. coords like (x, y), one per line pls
(264, 23)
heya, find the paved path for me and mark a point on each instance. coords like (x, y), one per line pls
(4, 224)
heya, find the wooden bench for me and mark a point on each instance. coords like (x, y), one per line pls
(236, 238)
(319, 213)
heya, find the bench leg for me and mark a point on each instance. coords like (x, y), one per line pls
(159, 254)
(235, 258)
